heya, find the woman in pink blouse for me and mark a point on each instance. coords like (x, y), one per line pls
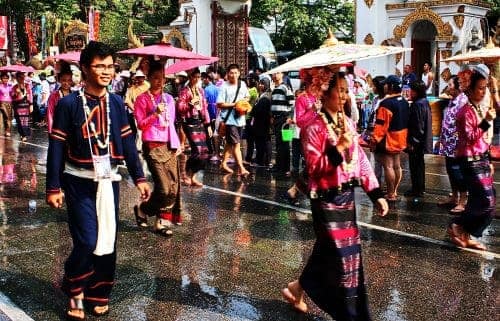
(333, 277)
(6, 102)
(473, 122)
(192, 111)
(22, 104)
(65, 78)
(154, 112)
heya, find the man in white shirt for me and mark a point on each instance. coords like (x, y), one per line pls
(232, 91)
(428, 78)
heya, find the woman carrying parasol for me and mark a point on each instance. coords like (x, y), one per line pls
(333, 277)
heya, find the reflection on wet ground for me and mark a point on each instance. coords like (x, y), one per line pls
(237, 248)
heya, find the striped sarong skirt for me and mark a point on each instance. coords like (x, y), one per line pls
(333, 277)
(197, 138)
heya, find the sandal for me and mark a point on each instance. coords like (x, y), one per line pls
(75, 305)
(164, 231)
(141, 221)
(457, 209)
(100, 310)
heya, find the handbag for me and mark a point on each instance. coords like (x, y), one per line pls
(221, 130)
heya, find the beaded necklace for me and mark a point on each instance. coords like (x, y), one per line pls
(334, 130)
(91, 125)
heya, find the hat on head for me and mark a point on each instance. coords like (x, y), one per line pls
(360, 81)
(482, 69)
(392, 79)
(125, 74)
(181, 74)
(36, 79)
(139, 73)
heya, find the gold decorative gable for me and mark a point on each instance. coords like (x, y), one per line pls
(444, 30)
(369, 3)
(176, 38)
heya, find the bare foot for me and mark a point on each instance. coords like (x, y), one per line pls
(75, 309)
(224, 167)
(195, 182)
(186, 181)
(294, 296)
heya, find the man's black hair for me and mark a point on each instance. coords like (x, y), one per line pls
(95, 49)
(233, 66)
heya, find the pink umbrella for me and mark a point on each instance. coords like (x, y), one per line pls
(163, 50)
(17, 68)
(360, 72)
(188, 64)
(68, 56)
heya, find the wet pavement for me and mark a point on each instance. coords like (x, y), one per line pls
(241, 243)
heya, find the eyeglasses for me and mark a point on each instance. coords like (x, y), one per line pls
(102, 67)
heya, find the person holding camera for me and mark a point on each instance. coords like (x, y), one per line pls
(192, 109)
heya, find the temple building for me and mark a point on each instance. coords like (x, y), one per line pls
(435, 29)
(213, 28)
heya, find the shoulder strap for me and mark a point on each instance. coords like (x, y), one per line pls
(234, 100)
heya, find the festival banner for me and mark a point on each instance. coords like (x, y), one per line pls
(32, 46)
(97, 17)
(4, 27)
(91, 36)
(44, 37)
(14, 41)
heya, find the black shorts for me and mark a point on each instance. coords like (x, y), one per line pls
(233, 134)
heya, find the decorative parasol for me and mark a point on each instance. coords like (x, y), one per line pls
(17, 68)
(187, 64)
(335, 53)
(163, 50)
(490, 53)
(68, 56)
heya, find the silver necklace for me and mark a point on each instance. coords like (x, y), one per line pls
(91, 125)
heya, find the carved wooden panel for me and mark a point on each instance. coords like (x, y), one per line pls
(230, 36)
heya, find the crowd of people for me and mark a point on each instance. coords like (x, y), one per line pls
(99, 116)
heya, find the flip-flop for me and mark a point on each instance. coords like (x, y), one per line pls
(140, 221)
(457, 209)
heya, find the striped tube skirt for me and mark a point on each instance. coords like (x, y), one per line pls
(333, 277)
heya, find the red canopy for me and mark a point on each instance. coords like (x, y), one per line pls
(68, 56)
(188, 64)
(17, 68)
(163, 50)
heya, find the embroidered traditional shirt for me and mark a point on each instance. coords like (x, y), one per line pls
(323, 173)
(449, 135)
(5, 91)
(186, 110)
(154, 128)
(69, 139)
(472, 131)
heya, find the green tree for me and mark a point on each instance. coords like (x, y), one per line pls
(302, 25)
